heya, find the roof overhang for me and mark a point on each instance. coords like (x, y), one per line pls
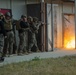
(63, 0)
(57, 1)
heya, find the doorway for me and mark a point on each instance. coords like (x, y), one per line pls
(34, 11)
(69, 31)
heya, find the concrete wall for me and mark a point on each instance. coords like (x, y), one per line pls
(18, 7)
(5, 4)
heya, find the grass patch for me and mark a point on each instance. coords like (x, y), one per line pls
(52, 66)
(36, 59)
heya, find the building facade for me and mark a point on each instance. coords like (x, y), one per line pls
(54, 13)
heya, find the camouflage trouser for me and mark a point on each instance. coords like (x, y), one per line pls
(1, 44)
(8, 45)
(23, 42)
(33, 41)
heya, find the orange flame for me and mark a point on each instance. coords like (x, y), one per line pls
(69, 32)
(69, 43)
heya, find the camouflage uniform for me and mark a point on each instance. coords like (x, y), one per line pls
(2, 34)
(1, 44)
(23, 36)
(9, 42)
(33, 30)
(1, 47)
(8, 45)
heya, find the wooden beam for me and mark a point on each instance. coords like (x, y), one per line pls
(43, 27)
(52, 26)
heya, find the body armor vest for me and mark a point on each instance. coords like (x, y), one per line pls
(8, 24)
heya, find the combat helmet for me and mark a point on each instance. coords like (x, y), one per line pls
(8, 14)
(30, 18)
(23, 16)
(35, 19)
(1, 14)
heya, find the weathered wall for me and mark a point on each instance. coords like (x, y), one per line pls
(58, 11)
(68, 8)
(49, 26)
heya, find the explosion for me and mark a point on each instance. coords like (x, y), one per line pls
(70, 43)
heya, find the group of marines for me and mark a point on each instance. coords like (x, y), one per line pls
(27, 28)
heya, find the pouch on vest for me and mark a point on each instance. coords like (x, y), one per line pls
(8, 25)
(18, 25)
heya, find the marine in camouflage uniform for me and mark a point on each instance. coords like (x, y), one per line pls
(2, 35)
(8, 45)
(34, 26)
(23, 35)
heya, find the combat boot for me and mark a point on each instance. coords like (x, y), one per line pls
(38, 50)
(20, 54)
(1, 59)
(29, 51)
(25, 53)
